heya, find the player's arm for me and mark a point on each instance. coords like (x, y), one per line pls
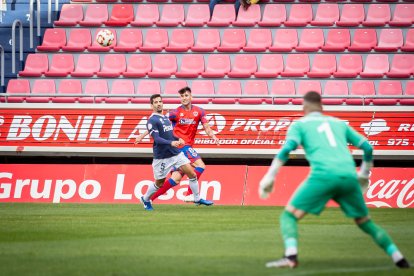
(210, 133)
(153, 130)
(139, 138)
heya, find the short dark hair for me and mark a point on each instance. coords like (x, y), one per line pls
(185, 89)
(313, 97)
(153, 97)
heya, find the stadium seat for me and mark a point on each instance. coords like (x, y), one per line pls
(155, 40)
(409, 41)
(96, 47)
(95, 15)
(304, 87)
(207, 40)
(138, 66)
(229, 88)
(285, 40)
(378, 15)
(273, 16)
(283, 90)
(68, 86)
(409, 92)
(114, 65)
(300, 15)
(257, 88)
(364, 40)
(164, 66)
(259, 40)
(326, 15)
(181, 40)
(173, 86)
(35, 66)
(197, 15)
(388, 88)
(403, 15)
(172, 15)
(352, 15)
(70, 15)
(42, 87)
(88, 65)
(120, 87)
(390, 40)
(402, 66)
(130, 40)
(361, 89)
(376, 66)
(217, 66)
(146, 88)
(191, 66)
(147, 15)
(200, 90)
(79, 40)
(337, 40)
(249, 17)
(94, 87)
(244, 66)
(271, 66)
(62, 65)
(296, 65)
(17, 86)
(323, 66)
(223, 16)
(121, 15)
(349, 66)
(233, 40)
(53, 40)
(339, 89)
(311, 40)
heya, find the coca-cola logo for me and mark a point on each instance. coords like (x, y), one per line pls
(382, 193)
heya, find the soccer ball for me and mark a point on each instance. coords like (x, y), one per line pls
(105, 37)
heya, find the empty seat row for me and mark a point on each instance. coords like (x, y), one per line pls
(224, 15)
(230, 1)
(232, 40)
(228, 91)
(220, 65)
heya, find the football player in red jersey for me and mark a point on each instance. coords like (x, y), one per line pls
(185, 119)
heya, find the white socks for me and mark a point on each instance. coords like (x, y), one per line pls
(397, 256)
(151, 190)
(194, 188)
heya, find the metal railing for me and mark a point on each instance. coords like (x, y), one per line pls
(16, 22)
(31, 20)
(49, 9)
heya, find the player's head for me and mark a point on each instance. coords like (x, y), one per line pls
(156, 103)
(185, 95)
(312, 101)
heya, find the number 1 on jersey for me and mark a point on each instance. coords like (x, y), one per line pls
(324, 127)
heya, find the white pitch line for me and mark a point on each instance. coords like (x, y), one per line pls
(338, 270)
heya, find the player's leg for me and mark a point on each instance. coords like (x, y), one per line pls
(168, 184)
(193, 183)
(152, 189)
(199, 168)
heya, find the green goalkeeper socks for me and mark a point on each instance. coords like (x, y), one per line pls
(289, 229)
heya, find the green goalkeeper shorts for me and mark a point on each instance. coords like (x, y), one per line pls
(313, 194)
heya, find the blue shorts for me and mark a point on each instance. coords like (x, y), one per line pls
(190, 153)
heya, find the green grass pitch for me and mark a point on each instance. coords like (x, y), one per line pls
(105, 239)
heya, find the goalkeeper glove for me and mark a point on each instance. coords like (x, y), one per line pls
(266, 184)
(363, 175)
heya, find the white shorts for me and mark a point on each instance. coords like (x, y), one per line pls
(161, 167)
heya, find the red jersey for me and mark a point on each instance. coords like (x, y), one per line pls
(186, 122)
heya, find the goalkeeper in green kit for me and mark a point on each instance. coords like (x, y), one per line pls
(333, 176)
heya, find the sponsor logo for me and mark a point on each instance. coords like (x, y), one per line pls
(185, 121)
(388, 193)
(375, 127)
(167, 128)
(216, 121)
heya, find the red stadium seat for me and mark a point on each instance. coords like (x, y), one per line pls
(283, 88)
(296, 66)
(311, 40)
(376, 66)
(271, 66)
(285, 40)
(233, 40)
(62, 65)
(147, 15)
(113, 66)
(273, 16)
(364, 40)
(70, 15)
(409, 41)
(217, 66)
(155, 40)
(390, 40)
(68, 86)
(352, 15)
(164, 66)
(244, 66)
(96, 47)
(95, 15)
(88, 65)
(122, 15)
(349, 66)
(147, 88)
(306, 86)
(378, 15)
(229, 88)
(120, 87)
(403, 15)
(181, 40)
(35, 66)
(323, 66)
(191, 66)
(172, 15)
(42, 87)
(337, 40)
(200, 90)
(223, 16)
(17, 86)
(53, 40)
(94, 87)
(409, 92)
(388, 88)
(259, 40)
(138, 66)
(339, 89)
(257, 88)
(361, 89)
(249, 17)
(402, 66)
(300, 15)
(130, 40)
(326, 15)
(79, 40)
(207, 40)
(173, 86)
(197, 15)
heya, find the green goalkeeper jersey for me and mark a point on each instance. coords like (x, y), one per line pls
(325, 141)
